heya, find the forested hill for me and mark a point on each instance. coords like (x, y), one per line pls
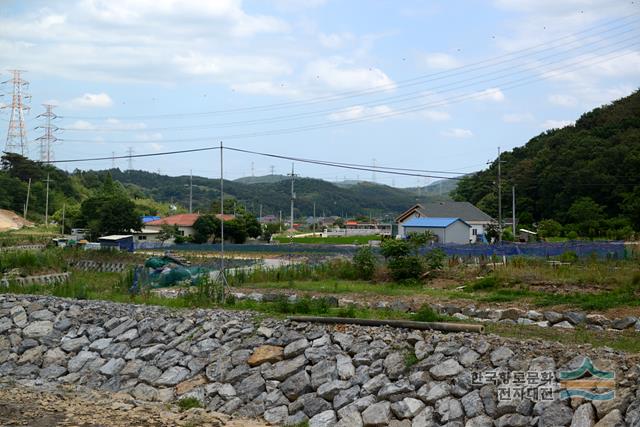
(586, 175)
(362, 198)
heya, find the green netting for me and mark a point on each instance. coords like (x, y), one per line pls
(156, 263)
(170, 277)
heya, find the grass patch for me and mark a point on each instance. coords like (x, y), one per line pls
(626, 341)
(187, 403)
(410, 359)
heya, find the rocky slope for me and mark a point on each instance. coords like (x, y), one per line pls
(288, 373)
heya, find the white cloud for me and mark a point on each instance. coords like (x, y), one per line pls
(360, 111)
(491, 94)
(440, 61)
(338, 74)
(436, 116)
(563, 100)
(457, 133)
(91, 100)
(517, 117)
(109, 124)
(335, 40)
(228, 66)
(149, 136)
(556, 124)
(81, 125)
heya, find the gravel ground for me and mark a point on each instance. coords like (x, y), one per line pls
(40, 406)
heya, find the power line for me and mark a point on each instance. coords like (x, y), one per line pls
(492, 76)
(383, 87)
(409, 109)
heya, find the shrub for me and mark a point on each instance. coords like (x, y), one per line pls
(364, 263)
(435, 259)
(569, 256)
(483, 284)
(572, 235)
(405, 268)
(426, 314)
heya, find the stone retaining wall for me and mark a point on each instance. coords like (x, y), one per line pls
(105, 267)
(44, 279)
(287, 373)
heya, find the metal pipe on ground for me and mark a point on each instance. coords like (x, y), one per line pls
(409, 324)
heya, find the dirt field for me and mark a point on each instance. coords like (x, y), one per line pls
(65, 406)
(9, 220)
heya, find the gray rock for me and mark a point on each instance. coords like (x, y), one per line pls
(358, 405)
(52, 372)
(564, 325)
(296, 348)
(77, 362)
(345, 397)
(344, 340)
(391, 390)
(323, 419)
(446, 369)
(584, 416)
(479, 421)
(514, 420)
(434, 391)
(231, 406)
(75, 344)
(612, 419)
(144, 392)
(172, 376)
(352, 419)
(424, 418)
(54, 356)
(552, 316)
(330, 389)
(624, 323)
(575, 318)
(395, 365)
(472, 404)
(112, 367)
(488, 396)
(344, 367)
(378, 414)
(149, 374)
(422, 349)
(149, 352)
(115, 350)
(100, 344)
(311, 404)
(251, 386)
(283, 369)
(296, 385)
(42, 315)
(277, 415)
(468, 357)
(449, 409)
(501, 356)
(226, 391)
(37, 329)
(553, 413)
(374, 384)
(407, 408)
(297, 419)
(129, 335)
(542, 363)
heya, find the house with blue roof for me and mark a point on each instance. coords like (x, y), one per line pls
(446, 230)
(465, 211)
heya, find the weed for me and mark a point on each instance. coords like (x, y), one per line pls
(410, 359)
(426, 314)
(187, 403)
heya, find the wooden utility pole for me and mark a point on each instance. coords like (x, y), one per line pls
(46, 208)
(62, 225)
(26, 204)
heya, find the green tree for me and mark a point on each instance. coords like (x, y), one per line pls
(167, 232)
(109, 214)
(364, 262)
(206, 227)
(587, 216)
(549, 228)
(235, 231)
(270, 229)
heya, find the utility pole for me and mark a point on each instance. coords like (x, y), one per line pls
(62, 225)
(221, 275)
(272, 169)
(499, 199)
(314, 217)
(280, 221)
(513, 210)
(26, 204)
(252, 170)
(130, 160)
(293, 194)
(46, 209)
(17, 131)
(113, 160)
(47, 140)
(260, 213)
(190, 191)
(373, 174)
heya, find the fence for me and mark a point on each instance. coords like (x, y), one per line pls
(584, 249)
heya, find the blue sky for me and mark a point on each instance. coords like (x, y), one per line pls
(385, 80)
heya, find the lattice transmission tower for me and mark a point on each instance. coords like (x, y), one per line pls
(49, 137)
(17, 131)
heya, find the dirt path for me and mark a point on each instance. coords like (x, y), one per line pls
(40, 406)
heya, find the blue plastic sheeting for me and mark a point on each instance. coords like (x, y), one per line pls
(431, 222)
(584, 249)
